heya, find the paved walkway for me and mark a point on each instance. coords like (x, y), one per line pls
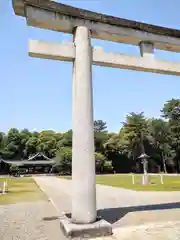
(123, 208)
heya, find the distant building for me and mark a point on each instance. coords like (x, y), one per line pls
(38, 163)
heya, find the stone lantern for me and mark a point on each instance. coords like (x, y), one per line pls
(144, 160)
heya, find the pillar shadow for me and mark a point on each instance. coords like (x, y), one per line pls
(113, 215)
(51, 218)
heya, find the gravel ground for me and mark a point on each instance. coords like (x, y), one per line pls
(134, 215)
(155, 214)
(160, 231)
(29, 221)
(110, 198)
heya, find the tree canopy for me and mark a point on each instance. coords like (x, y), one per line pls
(114, 152)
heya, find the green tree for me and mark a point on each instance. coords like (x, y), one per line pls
(65, 140)
(31, 145)
(25, 135)
(100, 135)
(135, 126)
(160, 137)
(171, 111)
(2, 143)
(99, 160)
(12, 144)
(100, 126)
(63, 160)
(169, 108)
(47, 143)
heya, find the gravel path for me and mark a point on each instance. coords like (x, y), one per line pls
(160, 231)
(110, 197)
(137, 215)
(29, 221)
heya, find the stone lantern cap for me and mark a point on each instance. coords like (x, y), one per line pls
(143, 155)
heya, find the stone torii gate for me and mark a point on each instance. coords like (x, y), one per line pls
(85, 25)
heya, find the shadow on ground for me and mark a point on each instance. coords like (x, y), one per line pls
(113, 215)
(51, 218)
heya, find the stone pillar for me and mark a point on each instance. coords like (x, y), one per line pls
(146, 49)
(145, 168)
(83, 160)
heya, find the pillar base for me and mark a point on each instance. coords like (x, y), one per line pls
(96, 229)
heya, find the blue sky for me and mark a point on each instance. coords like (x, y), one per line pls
(36, 93)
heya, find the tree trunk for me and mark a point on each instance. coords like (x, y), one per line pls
(177, 165)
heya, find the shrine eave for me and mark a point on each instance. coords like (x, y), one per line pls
(29, 163)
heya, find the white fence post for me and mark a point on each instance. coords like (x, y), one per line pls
(133, 180)
(5, 187)
(161, 176)
(143, 180)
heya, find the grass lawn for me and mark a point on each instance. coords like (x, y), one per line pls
(21, 190)
(171, 183)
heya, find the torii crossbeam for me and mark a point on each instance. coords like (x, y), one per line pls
(66, 52)
(85, 25)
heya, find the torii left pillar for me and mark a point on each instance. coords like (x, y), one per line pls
(83, 161)
(83, 221)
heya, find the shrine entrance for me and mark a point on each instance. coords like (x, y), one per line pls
(85, 25)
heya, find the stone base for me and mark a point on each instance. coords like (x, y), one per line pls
(97, 229)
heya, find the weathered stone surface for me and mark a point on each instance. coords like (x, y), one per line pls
(54, 51)
(66, 52)
(83, 161)
(20, 5)
(63, 18)
(96, 229)
(146, 49)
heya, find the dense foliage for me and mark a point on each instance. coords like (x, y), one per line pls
(114, 152)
